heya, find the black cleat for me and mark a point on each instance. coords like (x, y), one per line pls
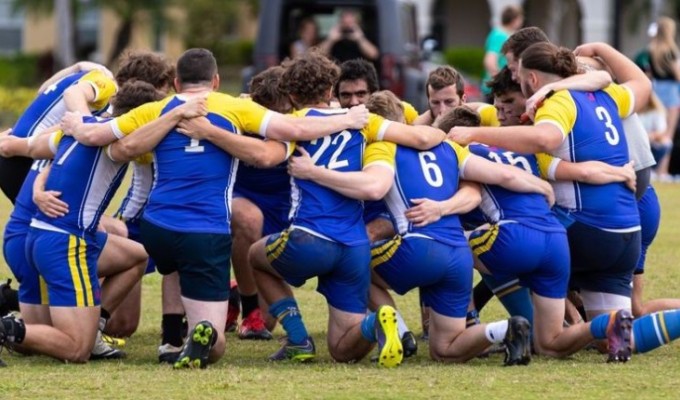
(5, 308)
(618, 336)
(197, 347)
(409, 344)
(517, 342)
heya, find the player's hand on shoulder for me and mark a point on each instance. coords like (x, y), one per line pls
(195, 128)
(302, 166)
(70, 122)
(631, 176)
(48, 202)
(461, 135)
(358, 116)
(194, 107)
(424, 212)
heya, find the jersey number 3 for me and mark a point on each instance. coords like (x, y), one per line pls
(611, 133)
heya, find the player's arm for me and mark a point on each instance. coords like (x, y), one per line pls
(291, 128)
(77, 67)
(587, 82)
(592, 172)
(426, 211)
(520, 139)
(421, 137)
(48, 200)
(372, 183)
(259, 153)
(624, 70)
(89, 134)
(481, 170)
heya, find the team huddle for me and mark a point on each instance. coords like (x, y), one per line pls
(317, 173)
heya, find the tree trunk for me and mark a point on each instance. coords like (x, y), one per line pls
(64, 52)
(123, 37)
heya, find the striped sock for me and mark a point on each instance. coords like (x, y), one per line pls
(655, 330)
(515, 298)
(287, 312)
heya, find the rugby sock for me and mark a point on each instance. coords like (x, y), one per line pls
(598, 326)
(495, 331)
(515, 298)
(481, 295)
(172, 329)
(472, 318)
(655, 330)
(368, 328)
(248, 304)
(401, 325)
(287, 312)
(104, 317)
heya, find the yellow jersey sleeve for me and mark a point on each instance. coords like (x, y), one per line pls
(410, 112)
(380, 153)
(623, 97)
(462, 153)
(137, 117)
(104, 88)
(374, 131)
(245, 114)
(489, 115)
(54, 140)
(547, 165)
(558, 110)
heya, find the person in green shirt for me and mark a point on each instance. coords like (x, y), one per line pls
(512, 19)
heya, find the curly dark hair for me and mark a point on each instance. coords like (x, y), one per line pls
(265, 89)
(502, 83)
(352, 70)
(133, 94)
(459, 116)
(145, 66)
(309, 78)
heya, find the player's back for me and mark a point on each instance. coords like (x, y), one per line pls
(597, 135)
(500, 204)
(432, 174)
(321, 210)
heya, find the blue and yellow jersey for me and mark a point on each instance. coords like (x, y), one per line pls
(132, 207)
(488, 115)
(24, 207)
(263, 180)
(431, 174)
(591, 125)
(410, 112)
(48, 107)
(323, 211)
(87, 180)
(500, 204)
(194, 179)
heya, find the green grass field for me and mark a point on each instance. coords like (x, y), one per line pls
(244, 373)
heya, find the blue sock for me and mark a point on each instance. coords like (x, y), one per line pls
(598, 326)
(472, 318)
(655, 330)
(368, 328)
(515, 298)
(287, 312)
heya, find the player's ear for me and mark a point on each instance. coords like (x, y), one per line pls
(216, 82)
(178, 86)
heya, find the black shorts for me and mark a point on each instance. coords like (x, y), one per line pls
(13, 172)
(201, 259)
(602, 261)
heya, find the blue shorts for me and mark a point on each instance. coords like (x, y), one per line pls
(275, 208)
(202, 260)
(32, 288)
(68, 263)
(668, 92)
(343, 271)
(539, 259)
(650, 215)
(602, 261)
(133, 234)
(442, 272)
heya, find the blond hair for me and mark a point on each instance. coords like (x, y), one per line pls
(387, 105)
(662, 48)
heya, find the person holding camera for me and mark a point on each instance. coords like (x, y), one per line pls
(346, 40)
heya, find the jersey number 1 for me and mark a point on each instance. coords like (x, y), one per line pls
(194, 147)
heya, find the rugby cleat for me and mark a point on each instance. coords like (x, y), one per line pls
(253, 327)
(296, 352)
(390, 349)
(517, 342)
(409, 344)
(233, 310)
(103, 351)
(113, 341)
(4, 304)
(619, 335)
(197, 347)
(168, 353)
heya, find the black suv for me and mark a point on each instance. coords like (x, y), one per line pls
(389, 24)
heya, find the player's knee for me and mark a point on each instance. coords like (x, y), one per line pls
(442, 354)
(123, 325)
(341, 357)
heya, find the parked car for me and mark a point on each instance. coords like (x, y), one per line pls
(390, 24)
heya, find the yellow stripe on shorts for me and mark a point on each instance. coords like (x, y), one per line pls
(483, 243)
(383, 253)
(275, 249)
(73, 266)
(44, 296)
(508, 290)
(85, 273)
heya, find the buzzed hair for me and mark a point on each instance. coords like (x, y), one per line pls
(196, 66)
(522, 39)
(387, 105)
(445, 76)
(459, 116)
